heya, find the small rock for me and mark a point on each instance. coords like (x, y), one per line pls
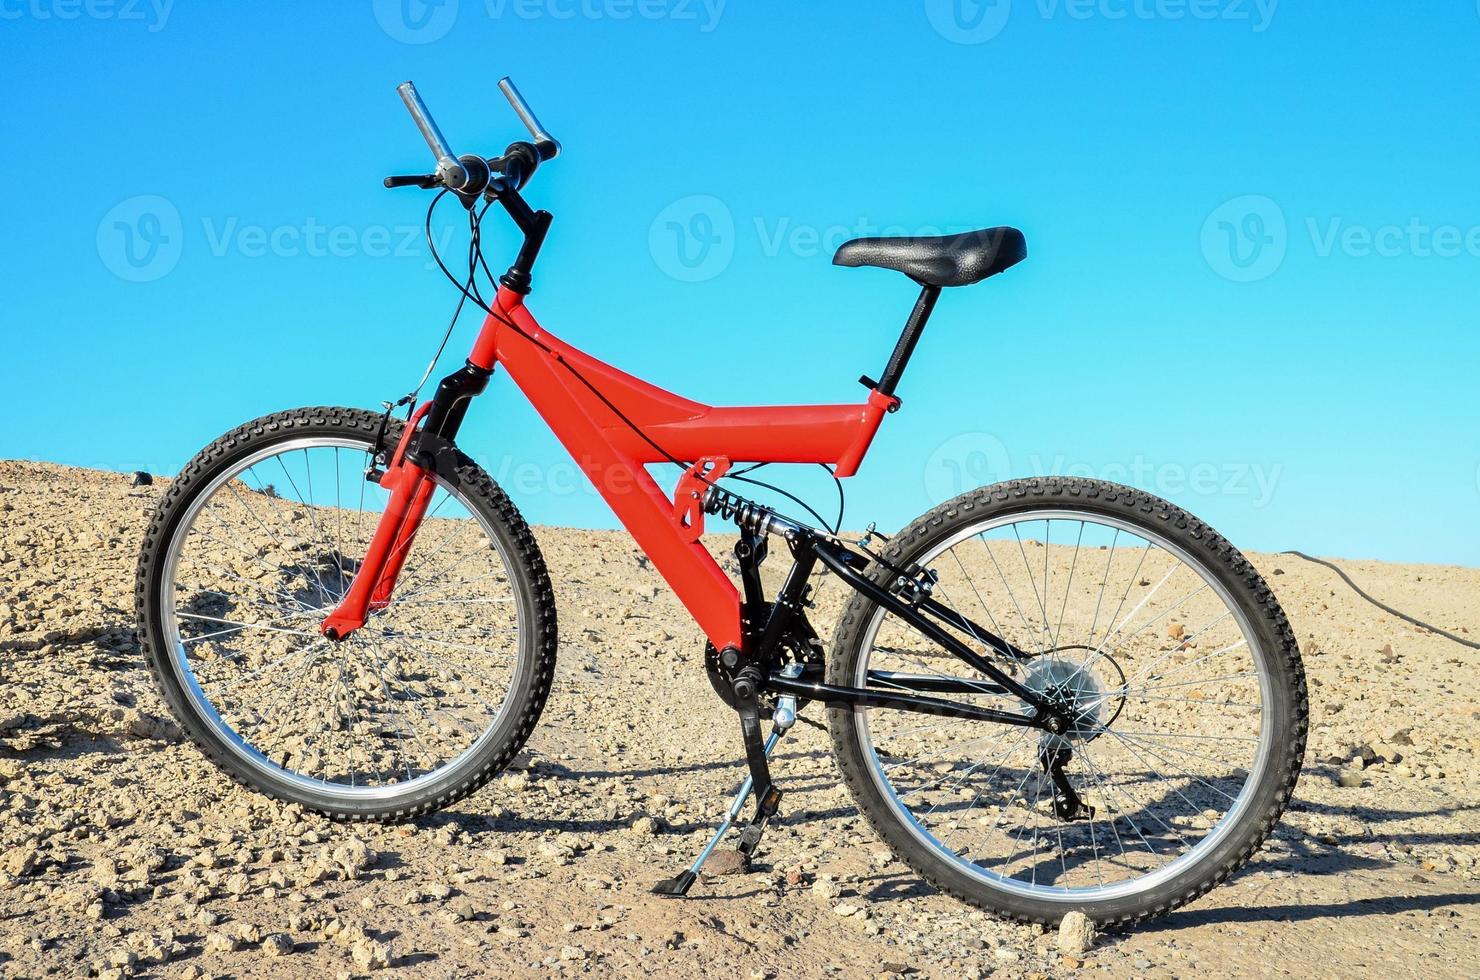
(824, 889)
(727, 862)
(645, 826)
(844, 909)
(221, 942)
(1076, 933)
(1350, 778)
(141, 479)
(1387, 753)
(277, 944)
(352, 858)
(22, 860)
(370, 955)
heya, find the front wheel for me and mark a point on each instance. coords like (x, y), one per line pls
(1153, 633)
(259, 538)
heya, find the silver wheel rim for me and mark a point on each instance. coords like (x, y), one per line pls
(243, 749)
(1067, 895)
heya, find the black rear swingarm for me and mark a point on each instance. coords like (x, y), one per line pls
(782, 658)
(904, 700)
(843, 564)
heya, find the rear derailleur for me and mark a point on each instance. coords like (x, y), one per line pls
(1053, 756)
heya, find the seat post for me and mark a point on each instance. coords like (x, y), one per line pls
(908, 338)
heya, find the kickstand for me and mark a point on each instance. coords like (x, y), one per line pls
(767, 800)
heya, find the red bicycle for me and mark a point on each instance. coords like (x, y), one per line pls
(1045, 695)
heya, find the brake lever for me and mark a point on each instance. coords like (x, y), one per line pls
(424, 181)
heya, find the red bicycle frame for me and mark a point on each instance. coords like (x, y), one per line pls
(614, 456)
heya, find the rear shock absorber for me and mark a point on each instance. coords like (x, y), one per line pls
(748, 515)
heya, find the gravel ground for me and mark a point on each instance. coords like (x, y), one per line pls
(123, 853)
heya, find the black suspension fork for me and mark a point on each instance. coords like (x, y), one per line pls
(433, 447)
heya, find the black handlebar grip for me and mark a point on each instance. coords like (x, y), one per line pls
(413, 180)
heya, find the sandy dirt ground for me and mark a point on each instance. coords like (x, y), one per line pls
(124, 853)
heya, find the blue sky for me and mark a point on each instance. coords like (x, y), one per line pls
(1252, 284)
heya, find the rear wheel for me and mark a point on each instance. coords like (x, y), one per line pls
(1158, 639)
(254, 544)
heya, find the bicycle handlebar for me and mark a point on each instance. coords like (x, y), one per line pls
(469, 174)
(547, 145)
(448, 167)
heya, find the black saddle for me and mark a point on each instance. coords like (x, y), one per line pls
(949, 260)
